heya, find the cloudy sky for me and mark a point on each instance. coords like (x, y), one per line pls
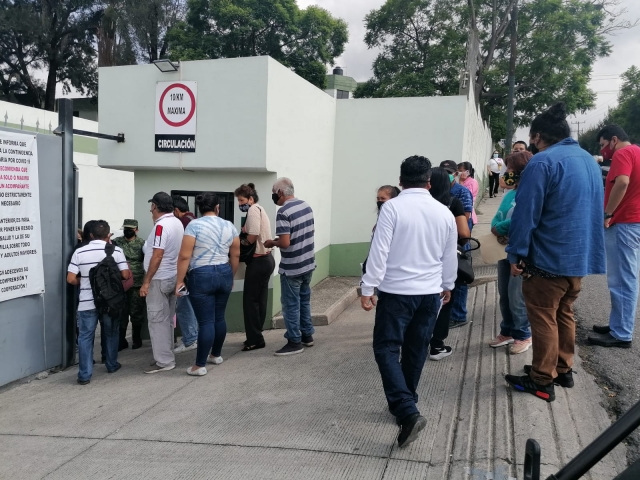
(357, 59)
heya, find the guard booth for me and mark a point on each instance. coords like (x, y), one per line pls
(37, 234)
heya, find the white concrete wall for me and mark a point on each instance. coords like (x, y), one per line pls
(300, 142)
(107, 194)
(477, 146)
(231, 115)
(372, 138)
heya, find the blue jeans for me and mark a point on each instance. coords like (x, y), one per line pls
(295, 297)
(515, 322)
(622, 244)
(460, 294)
(186, 318)
(403, 322)
(209, 289)
(87, 322)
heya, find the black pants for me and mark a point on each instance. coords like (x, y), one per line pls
(254, 297)
(494, 183)
(441, 330)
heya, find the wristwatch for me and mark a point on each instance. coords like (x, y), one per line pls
(608, 215)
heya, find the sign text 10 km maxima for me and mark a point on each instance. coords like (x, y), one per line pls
(175, 125)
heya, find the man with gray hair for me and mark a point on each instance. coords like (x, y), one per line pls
(295, 232)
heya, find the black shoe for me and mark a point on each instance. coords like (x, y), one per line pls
(123, 345)
(440, 353)
(602, 329)
(83, 382)
(410, 427)
(103, 359)
(307, 340)
(290, 349)
(525, 384)
(609, 341)
(564, 380)
(118, 367)
(454, 324)
(136, 345)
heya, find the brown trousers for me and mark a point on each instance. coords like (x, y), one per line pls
(553, 328)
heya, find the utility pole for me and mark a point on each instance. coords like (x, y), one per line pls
(512, 75)
(578, 123)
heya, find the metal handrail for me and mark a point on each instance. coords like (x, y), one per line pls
(592, 454)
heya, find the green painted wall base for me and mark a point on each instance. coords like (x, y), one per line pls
(346, 259)
(333, 260)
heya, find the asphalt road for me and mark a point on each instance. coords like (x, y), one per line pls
(617, 369)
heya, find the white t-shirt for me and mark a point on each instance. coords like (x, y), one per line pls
(166, 235)
(83, 260)
(495, 164)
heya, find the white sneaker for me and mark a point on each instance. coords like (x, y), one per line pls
(198, 372)
(183, 348)
(214, 360)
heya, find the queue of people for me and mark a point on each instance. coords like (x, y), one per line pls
(184, 271)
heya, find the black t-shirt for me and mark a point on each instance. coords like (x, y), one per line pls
(456, 207)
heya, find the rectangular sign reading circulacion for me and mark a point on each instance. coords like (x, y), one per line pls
(176, 116)
(21, 270)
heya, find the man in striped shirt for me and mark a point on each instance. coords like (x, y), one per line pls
(82, 261)
(295, 231)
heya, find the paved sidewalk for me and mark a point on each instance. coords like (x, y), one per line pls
(318, 415)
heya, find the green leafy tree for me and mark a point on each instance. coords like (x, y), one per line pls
(56, 35)
(626, 114)
(304, 40)
(423, 51)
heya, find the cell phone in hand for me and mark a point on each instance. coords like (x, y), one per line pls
(182, 291)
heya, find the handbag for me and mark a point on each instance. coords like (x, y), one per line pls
(466, 275)
(248, 250)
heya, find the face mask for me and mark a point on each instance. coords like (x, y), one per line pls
(511, 179)
(128, 233)
(379, 205)
(244, 208)
(607, 152)
(275, 197)
(495, 155)
(451, 178)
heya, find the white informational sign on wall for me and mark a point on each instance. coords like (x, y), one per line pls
(176, 116)
(21, 271)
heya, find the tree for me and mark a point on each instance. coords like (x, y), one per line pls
(149, 23)
(304, 40)
(423, 51)
(54, 34)
(626, 114)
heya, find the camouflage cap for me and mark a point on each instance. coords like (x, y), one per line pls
(130, 223)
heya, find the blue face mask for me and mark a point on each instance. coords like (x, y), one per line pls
(244, 208)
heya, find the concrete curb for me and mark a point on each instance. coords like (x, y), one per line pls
(329, 315)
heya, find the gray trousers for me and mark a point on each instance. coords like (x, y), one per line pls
(161, 307)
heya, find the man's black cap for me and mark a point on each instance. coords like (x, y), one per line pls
(450, 166)
(163, 201)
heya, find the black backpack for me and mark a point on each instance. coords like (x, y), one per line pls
(106, 285)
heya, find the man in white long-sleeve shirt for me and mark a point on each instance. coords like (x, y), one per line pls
(413, 264)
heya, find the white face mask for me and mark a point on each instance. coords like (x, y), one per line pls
(495, 155)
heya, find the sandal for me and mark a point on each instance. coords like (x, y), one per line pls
(248, 348)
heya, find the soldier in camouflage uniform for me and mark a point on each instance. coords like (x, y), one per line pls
(131, 245)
